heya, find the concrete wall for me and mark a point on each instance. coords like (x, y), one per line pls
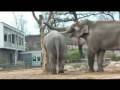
(1, 36)
(27, 57)
(5, 57)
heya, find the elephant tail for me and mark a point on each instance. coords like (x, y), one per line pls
(57, 46)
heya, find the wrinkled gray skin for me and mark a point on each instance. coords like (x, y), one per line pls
(100, 36)
(55, 46)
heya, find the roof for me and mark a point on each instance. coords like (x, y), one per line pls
(11, 27)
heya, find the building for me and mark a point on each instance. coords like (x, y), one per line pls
(32, 42)
(11, 44)
(32, 55)
(32, 58)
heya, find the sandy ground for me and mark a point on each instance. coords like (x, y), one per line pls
(38, 74)
(112, 71)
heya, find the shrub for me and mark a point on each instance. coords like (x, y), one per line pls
(115, 58)
(72, 55)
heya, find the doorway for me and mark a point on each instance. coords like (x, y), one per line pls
(11, 58)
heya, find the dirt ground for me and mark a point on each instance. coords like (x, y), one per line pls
(37, 73)
(111, 72)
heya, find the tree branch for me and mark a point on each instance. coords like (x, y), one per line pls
(75, 16)
(37, 20)
(109, 15)
(55, 28)
(49, 17)
(72, 19)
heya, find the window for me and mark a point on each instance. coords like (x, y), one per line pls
(13, 38)
(16, 39)
(5, 37)
(38, 58)
(10, 38)
(19, 41)
(34, 58)
(22, 41)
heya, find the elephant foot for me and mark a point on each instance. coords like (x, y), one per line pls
(61, 71)
(100, 70)
(91, 70)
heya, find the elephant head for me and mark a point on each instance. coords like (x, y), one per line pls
(78, 29)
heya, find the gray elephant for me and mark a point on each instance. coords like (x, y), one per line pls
(54, 43)
(100, 36)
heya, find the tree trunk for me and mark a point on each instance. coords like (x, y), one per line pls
(42, 28)
(45, 54)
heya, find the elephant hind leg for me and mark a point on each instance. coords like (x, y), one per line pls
(52, 65)
(61, 64)
(61, 68)
(54, 71)
(100, 58)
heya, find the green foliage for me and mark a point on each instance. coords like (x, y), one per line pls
(72, 55)
(115, 58)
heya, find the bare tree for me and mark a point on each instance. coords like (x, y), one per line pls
(15, 18)
(42, 27)
(20, 21)
(107, 15)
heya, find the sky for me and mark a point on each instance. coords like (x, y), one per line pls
(9, 18)
(31, 25)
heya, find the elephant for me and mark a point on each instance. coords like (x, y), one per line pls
(80, 42)
(54, 43)
(99, 35)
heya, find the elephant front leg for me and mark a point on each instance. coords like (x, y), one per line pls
(91, 57)
(100, 59)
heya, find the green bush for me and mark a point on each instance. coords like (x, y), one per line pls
(115, 58)
(72, 55)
